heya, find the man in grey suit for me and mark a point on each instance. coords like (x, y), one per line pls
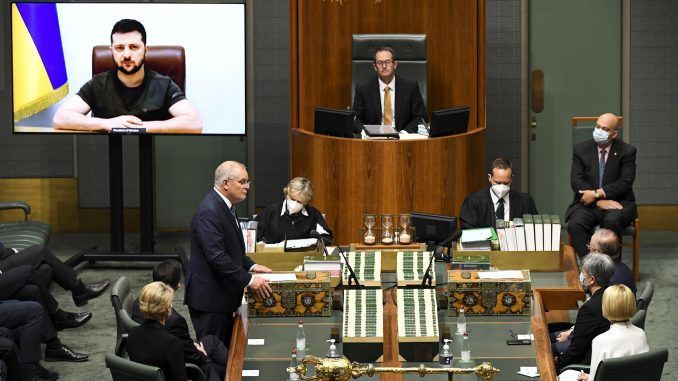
(219, 269)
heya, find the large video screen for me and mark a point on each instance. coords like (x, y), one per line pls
(55, 90)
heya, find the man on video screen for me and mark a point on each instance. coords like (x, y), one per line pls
(130, 96)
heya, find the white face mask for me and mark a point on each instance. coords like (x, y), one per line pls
(500, 190)
(294, 207)
(601, 136)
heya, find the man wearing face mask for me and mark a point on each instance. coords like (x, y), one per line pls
(292, 218)
(603, 171)
(596, 271)
(497, 202)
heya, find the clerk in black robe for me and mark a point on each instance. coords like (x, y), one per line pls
(292, 218)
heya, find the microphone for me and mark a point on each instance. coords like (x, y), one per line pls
(351, 274)
(441, 246)
(319, 237)
(428, 278)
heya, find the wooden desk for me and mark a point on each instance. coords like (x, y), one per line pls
(563, 295)
(353, 177)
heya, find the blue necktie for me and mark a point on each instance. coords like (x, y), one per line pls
(601, 168)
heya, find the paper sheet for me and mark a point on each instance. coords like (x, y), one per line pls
(510, 274)
(301, 243)
(279, 277)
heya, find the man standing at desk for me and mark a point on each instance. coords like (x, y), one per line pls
(497, 202)
(130, 96)
(374, 99)
(218, 268)
(603, 171)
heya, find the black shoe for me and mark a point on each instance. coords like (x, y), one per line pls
(72, 320)
(64, 353)
(83, 292)
(45, 374)
(37, 373)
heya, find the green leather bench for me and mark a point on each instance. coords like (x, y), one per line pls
(22, 234)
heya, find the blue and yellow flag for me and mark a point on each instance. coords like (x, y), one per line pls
(40, 78)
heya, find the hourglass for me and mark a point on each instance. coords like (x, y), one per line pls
(405, 234)
(386, 228)
(369, 237)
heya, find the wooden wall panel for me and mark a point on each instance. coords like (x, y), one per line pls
(320, 36)
(353, 177)
(55, 201)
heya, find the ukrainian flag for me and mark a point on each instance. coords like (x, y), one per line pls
(37, 55)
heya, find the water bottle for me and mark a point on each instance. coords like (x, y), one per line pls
(466, 349)
(293, 376)
(301, 338)
(446, 356)
(461, 321)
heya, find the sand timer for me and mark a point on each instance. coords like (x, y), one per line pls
(369, 237)
(405, 231)
(387, 228)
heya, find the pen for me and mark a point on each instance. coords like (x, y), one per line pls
(513, 334)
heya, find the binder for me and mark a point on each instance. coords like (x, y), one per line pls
(529, 232)
(546, 219)
(501, 234)
(510, 236)
(538, 233)
(520, 234)
(555, 232)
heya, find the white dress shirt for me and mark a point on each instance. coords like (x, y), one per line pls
(382, 89)
(507, 207)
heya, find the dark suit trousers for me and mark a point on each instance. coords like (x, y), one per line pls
(27, 321)
(9, 356)
(40, 257)
(219, 324)
(217, 352)
(583, 219)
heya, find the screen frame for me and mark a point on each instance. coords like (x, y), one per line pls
(7, 9)
(420, 219)
(437, 115)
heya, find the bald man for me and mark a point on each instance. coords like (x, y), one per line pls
(603, 171)
(219, 268)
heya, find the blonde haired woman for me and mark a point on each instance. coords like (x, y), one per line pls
(293, 218)
(150, 343)
(623, 338)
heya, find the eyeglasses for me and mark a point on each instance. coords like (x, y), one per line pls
(590, 249)
(384, 63)
(242, 182)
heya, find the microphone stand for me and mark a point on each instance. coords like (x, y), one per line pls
(351, 274)
(428, 278)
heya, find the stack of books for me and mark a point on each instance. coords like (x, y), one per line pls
(538, 232)
(477, 239)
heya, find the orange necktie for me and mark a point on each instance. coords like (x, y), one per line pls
(388, 110)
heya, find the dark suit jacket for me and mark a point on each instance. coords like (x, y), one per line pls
(477, 211)
(218, 269)
(151, 344)
(177, 326)
(623, 275)
(620, 172)
(409, 105)
(589, 324)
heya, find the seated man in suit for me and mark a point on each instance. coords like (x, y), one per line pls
(603, 171)
(21, 329)
(496, 202)
(606, 242)
(47, 264)
(388, 99)
(209, 354)
(596, 271)
(131, 96)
